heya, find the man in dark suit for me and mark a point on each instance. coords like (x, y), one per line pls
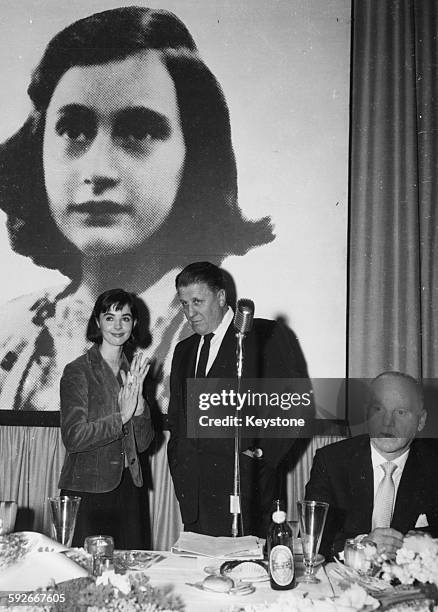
(379, 486)
(202, 469)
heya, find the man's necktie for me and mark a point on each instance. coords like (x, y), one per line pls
(385, 497)
(203, 356)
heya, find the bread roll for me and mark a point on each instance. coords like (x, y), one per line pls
(220, 584)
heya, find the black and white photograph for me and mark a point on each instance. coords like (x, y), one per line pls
(228, 191)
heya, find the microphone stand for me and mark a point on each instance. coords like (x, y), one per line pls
(235, 508)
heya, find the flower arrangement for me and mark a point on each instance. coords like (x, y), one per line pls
(13, 547)
(416, 562)
(109, 593)
(124, 592)
(409, 581)
(351, 600)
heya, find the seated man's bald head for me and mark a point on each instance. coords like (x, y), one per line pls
(395, 413)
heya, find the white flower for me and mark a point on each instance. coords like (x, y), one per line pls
(416, 560)
(420, 543)
(356, 598)
(117, 580)
(351, 600)
(404, 555)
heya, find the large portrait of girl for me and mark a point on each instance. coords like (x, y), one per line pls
(141, 151)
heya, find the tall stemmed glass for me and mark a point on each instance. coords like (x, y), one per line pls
(312, 516)
(64, 509)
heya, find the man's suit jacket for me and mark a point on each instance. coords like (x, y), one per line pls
(202, 470)
(342, 475)
(92, 431)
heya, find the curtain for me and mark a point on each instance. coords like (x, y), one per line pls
(166, 522)
(32, 458)
(30, 474)
(393, 269)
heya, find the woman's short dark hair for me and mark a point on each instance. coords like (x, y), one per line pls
(117, 299)
(206, 217)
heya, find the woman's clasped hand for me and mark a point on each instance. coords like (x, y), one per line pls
(131, 402)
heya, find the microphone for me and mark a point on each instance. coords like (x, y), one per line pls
(244, 316)
(242, 324)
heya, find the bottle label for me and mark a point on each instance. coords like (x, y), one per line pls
(281, 565)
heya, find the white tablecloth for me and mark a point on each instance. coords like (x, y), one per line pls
(38, 569)
(177, 570)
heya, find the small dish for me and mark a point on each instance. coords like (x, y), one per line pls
(140, 559)
(135, 560)
(245, 571)
(374, 586)
(223, 588)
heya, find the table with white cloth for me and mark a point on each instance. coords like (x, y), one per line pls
(31, 563)
(46, 562)
(179, 570)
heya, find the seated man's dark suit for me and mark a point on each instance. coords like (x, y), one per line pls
(202, 470)
(342, 475)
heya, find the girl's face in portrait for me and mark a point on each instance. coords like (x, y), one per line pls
(113, 152)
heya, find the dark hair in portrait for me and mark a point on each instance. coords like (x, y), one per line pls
(205, 215)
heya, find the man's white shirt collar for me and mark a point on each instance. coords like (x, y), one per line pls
(221, 329)
(377, 459)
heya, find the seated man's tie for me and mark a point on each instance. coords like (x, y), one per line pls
(384, 502)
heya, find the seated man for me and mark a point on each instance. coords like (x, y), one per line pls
(383, 484)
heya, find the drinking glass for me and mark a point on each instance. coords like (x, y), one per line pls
(312, 516)
(101, 549)
(360, 556)
(64, 509)
(8, 512)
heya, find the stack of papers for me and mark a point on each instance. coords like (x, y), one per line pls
(245, 547)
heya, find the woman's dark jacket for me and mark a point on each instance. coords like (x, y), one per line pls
(92, 429)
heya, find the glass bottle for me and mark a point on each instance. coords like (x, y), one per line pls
(280, 552)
